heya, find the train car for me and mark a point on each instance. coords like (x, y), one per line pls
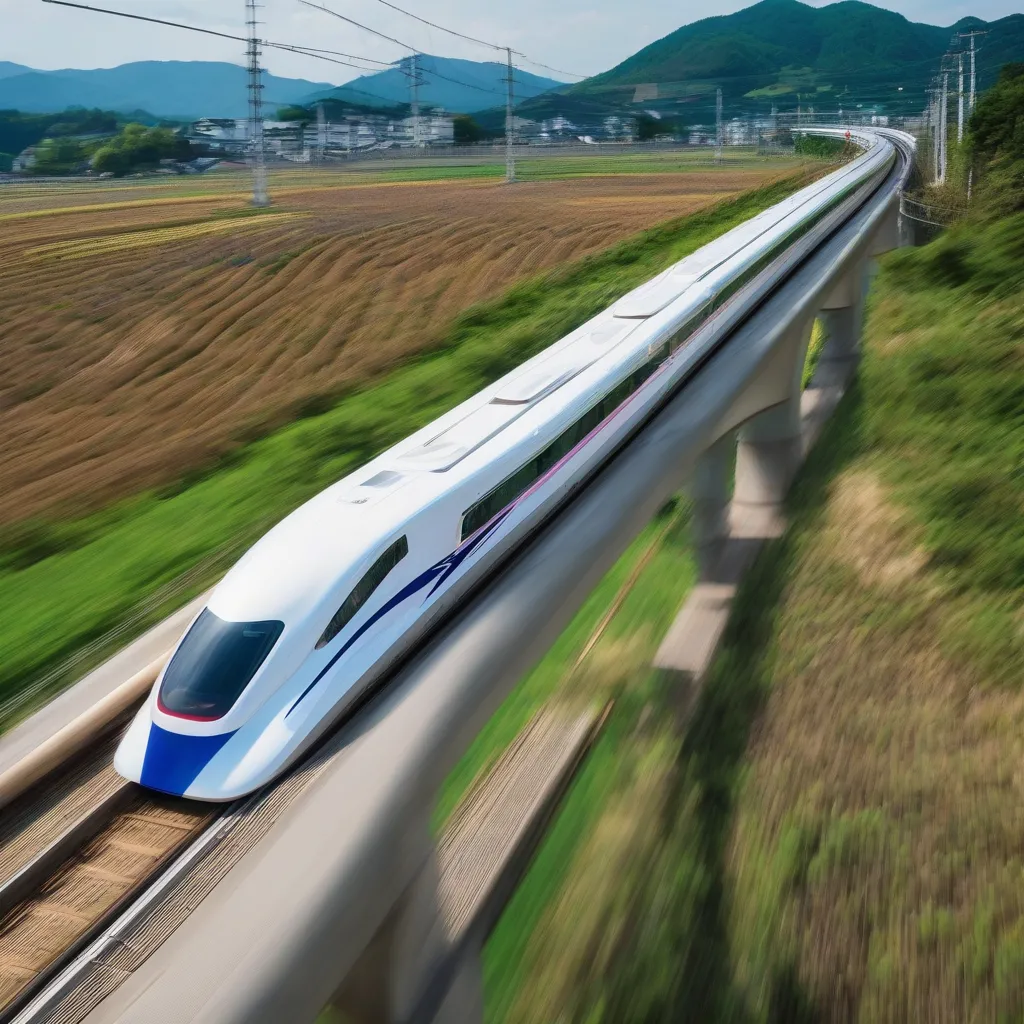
(326, 602)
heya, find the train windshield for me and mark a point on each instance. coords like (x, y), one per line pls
(214, 664)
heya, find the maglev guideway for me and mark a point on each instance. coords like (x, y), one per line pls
(340, 885)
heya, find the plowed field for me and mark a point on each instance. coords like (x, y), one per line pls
(146, 332)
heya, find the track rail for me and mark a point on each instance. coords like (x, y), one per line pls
(62, 899)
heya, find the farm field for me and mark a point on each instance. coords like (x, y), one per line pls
(83, 583)
(152, 326)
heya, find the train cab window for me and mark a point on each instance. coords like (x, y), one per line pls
(373, 578)
(214, 664)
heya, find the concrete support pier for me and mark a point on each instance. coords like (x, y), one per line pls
(710, 491)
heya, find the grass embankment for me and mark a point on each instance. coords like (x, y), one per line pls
(836, 832)
(66, 583)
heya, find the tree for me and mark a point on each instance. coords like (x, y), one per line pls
(467, 131)
(110, 160)
(295, 113)
(996, 142)
(649, 128)
(997, 125)
(138, 147)
(58, 156)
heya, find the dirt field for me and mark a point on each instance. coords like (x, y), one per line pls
(147, 331)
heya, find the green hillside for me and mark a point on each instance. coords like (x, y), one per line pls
(785, 52)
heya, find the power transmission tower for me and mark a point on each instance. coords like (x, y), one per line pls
(510, 122)
(258, 159)
(972, 35)
(719, 135)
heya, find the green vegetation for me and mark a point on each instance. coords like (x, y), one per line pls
(785, 49)
(138, 147)
(995, 142)
(71, 141)
(648, 127)
(997, 125)
(72, 581)
(554, 167)
(467, 131)
(822, 147)
(335, 109)
(62, 155)
(834, 833)
(18, 131)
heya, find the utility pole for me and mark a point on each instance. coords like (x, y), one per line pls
(719, 135)
(933, 124)
(972, 35)
(942, 126)
(414, 97)
(259, 166)
(321, 134)
(510, 122)
(960, 99)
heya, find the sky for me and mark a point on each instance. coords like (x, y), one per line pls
(581, 37)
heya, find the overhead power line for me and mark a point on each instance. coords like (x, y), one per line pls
(359, 24)
(318, 54)
(307, 51)
(547, 67)
(440, 28)
(142, 17)
(456, 81)
(473, 39)
(354, 56)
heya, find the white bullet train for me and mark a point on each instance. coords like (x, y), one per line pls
(323, 604)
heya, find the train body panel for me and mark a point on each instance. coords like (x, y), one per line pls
(324, 604)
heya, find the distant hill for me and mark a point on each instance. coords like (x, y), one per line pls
(7, 69)
(184, 89)
(464, 86)
(783, 51)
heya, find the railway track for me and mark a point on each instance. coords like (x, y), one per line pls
(72, 854)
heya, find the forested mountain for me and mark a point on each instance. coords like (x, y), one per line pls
(785, 52)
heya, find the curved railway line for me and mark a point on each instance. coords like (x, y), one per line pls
(96, 872)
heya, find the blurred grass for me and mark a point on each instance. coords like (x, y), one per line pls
(64, 584)
(836, 833)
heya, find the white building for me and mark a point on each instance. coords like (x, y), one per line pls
(24, 161)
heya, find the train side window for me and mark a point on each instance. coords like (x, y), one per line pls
(520, 481)
(371, 580)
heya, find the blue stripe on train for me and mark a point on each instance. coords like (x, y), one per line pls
(174, 760)
(440, 571)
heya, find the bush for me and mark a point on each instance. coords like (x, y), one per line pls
(467, 131)
(138, 148)
(59, 156)
(996, 143)
(997, 125)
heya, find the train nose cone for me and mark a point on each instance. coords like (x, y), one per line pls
(174, 760)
